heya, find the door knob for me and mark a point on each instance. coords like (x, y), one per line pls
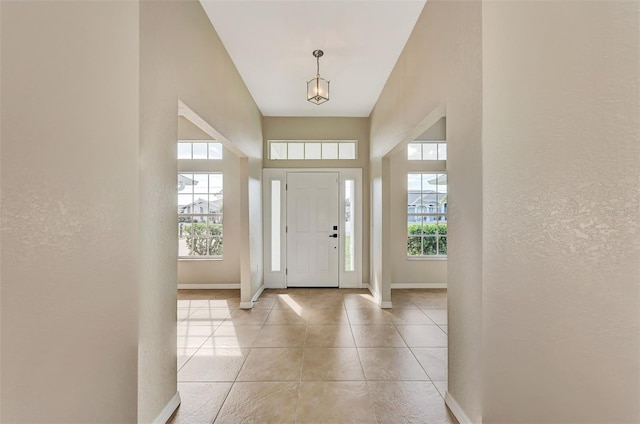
(333, 236)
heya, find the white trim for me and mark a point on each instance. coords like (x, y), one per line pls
(299, 141)
(168, 410)
(277, 279)
(254, 299)
(456, 409)
(386, 305)
(418, 286)
(186, 112)
(235, 286)
(434, 116)
(378, 299)
(258, 294)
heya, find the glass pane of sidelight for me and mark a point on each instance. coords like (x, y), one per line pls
(275, 225)
(349, 234)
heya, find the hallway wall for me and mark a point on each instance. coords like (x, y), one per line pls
(561, 151)
(69, 193)
(182, 58)
(442, 65)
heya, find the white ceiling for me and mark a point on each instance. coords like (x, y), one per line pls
(271, 43)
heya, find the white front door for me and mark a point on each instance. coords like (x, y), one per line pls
(312, 229)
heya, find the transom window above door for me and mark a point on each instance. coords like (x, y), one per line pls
(313, 149)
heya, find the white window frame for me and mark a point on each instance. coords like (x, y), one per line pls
(204, 166)
(192, 142)
(277, 279)
(321, 142)
(422, 143)
(423, 214)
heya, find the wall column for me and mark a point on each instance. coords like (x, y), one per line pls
(245, 240)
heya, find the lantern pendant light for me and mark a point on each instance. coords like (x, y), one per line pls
(318, 88)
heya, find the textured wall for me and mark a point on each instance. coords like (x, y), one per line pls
(69, 212)
(442, 65)
(182, 58)
(562, 247)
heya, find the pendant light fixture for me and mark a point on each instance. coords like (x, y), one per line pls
(318, 88)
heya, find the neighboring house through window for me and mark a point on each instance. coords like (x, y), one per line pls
(200, 204)
(427, 214)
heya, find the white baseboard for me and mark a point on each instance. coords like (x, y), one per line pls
(378, 299)
(367, 286)
(249, 305)
(168, 410)
(456, 409)
(258, 294)
(208, 286)
(418, 286)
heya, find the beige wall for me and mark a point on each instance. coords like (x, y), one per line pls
(182, 58)
(561, 249)
(286, 128)
(441, 65)
(69, 212)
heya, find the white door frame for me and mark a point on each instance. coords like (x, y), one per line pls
(275, 262)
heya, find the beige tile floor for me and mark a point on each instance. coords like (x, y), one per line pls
(323, 356)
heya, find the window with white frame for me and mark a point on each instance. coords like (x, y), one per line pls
(200, 213)
(427, 150)
(312, 149)
(192, 149)
(427, 214)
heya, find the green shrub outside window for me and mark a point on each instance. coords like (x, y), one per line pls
(427, 239)
(203, 239)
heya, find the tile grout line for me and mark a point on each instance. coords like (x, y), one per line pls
(366, 381)
(235, 380)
